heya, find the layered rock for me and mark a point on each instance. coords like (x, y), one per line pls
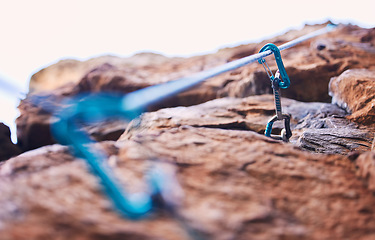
(33, 125)
(309, 65)
(71, 70)
(317, 127)
(366, 168)
(237, 185)
(354, 90)
(312, 62)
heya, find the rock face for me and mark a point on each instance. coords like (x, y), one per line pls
(317, 127)
(237, 185)
(313, 62)
(366, 166)
(71, 71)
(7, 148)
(235, 182)
(354, 90)
(309, 65)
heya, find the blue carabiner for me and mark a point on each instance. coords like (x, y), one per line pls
(285, 82)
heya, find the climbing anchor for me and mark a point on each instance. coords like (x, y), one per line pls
(69, 129)
(277, 83)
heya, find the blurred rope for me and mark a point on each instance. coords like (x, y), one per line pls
(10, 89)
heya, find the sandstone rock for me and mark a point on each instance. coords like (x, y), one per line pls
(237, 185)
(7, 148)
(111, 79)
(317, 127)
(323, 128)
(33, 127)
(250, 113)
(369, 37)
(309, 65)
(107, 78)
(354, 90)
(366, 168)
(71, 70)
(110, 130)
(306, 63)
(339, 141)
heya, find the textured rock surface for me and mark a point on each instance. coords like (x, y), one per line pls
(366, 168)
(355, 91)
(312, 62)
(317, 127)
(237, 185)
(340, 141)
(7, 148)
(309, 65)
(33, 126)
(71, 71)
(33, 129)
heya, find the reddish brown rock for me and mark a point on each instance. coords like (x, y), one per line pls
(7, 147)
(107, 78)
(317, 127)
(72, 71)
(312, 62)
(237, 185)
(111, 79)
(249, 114)
(354, 90)
(33, 125)
(366, 168)
(310, 65)
(369, 37)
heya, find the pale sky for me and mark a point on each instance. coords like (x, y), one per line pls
(37, 33)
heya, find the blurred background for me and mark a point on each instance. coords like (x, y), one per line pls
(38, 33)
